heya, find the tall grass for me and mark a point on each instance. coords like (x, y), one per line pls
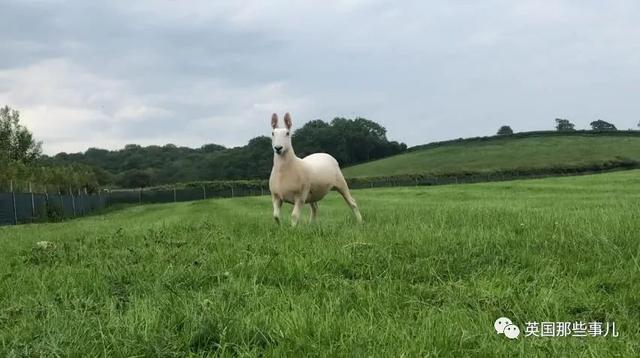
(426, 275)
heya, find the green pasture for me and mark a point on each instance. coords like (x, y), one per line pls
(426, 274)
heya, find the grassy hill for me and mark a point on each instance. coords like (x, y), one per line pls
(510, 153)
(426, 275)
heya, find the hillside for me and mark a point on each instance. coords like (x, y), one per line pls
(500, 154)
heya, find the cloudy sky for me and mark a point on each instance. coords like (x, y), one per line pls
(104, 74)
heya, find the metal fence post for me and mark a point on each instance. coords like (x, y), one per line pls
(15, 210)
(83, 201)
(73, 202)
(33, 203)
(61, 201)
(46, 204)
(232, 194)
(78, 201)
(175, 195)
(140, 196)
(204, 192)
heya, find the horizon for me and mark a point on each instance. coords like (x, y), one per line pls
(390, 139)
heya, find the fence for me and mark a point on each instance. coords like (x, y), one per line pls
(400, 181)
(24, 208)
(170, 195)
(20, 208)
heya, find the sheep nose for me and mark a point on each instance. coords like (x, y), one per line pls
(278, 148)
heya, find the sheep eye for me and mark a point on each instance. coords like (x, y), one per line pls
(273, 133)
(287, 134)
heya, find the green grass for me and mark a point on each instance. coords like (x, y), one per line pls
(504, 154)
(426, 275)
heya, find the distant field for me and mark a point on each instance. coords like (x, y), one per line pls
(504, 154)
(426, 275)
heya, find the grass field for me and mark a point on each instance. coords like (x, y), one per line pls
(505, 154)
(426, 275)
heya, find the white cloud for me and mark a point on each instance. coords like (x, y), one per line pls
(71, 109)
(68, 106)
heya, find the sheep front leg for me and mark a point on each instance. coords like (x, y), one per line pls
(277, 204)
(297, 208)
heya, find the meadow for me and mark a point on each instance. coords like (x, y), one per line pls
(426, 275)
(500, 154)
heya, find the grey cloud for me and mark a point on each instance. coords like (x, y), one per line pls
(159, 72)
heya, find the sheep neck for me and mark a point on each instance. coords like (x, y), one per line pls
(285, 160)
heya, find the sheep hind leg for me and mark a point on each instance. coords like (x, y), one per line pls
(343, 189)
(314, 212)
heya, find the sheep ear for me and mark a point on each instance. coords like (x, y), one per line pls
(274, 121)
(287, 120)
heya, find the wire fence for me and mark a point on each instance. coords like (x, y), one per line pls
(21, 208)
(26, 208)
(30, 207)
(182, 194)
(445, 180)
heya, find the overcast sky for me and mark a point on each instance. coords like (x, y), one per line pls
(104, 74)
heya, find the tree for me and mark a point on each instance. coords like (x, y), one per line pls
(133, 147)
(350, 141)
(639, 125)
(563, 125)
(16, 141)
(136, 178)
(210, 148)
(505, 130)
(601, 125)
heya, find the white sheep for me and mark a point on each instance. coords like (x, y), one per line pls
(302, 181)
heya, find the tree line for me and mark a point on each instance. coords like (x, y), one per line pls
(350, 141)
(565, 125)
